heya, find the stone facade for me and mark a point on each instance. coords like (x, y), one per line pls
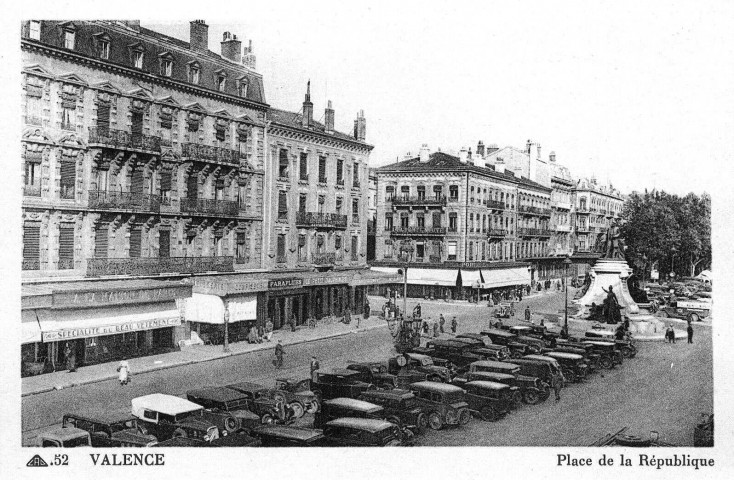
(595, 208)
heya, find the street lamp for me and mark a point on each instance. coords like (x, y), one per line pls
(226, 329)
(672, 263)
(406, 254)
(566, 263)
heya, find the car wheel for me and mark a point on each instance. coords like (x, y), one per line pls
(421, 422)
(516, 398)
(180, 433)
(531, 397)
(606, 362)
(313, 407)
(297, 409)
(489, 414)
(230, 423)
(267, 419)
(694, 317)
(626, 352)
(279, 397)
(434, 421)
(464, 417)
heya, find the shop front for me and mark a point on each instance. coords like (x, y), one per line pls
(205, 314)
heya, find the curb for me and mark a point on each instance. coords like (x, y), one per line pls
(190, 362)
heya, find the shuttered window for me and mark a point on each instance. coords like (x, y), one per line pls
(241, 245)
(164, 244)
(103, 116)
(281, 249)
(166, 185)
(136, 236)
(282, 205)
(192, 184)
(68, 177)
(136, 182)
(355, 241)
(137, 120)
(31, 246)
(303, 166)
(66, 246)
(101, 240)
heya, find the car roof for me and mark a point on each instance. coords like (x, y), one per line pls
(597, 342)
(397, 394)
(601, 332)
(456, 342)
(541, 358)
(165, 404)
(477, 336)
(353, 404)
(287, 431)
(66, 433)
(521, 327)
(217, 394)
(570, 356)
(437, 386)
(492, 363)
(345, 372)
(488, 385)
(500, 333)
(369, 424)
(103, 417)
(506, 376)
(417, 356)
(247, 387)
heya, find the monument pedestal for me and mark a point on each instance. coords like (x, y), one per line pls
(605, 273)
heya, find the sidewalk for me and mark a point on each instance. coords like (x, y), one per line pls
(195, 354)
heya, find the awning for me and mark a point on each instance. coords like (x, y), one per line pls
(506, 277)
(391, 270)
(30, 330)
(204, 308)
(59, 325)
(432, 276)
(369, 277)
(471, 278)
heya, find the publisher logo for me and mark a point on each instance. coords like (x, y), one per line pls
(36, 461)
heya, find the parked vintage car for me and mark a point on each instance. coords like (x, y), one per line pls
(505, 378)
(109, 430)
(609, 355)
(288, 436)
(445, 404)
(297, 391)
(586, 351)
(459, 354)
(532, 388)
(477, 346)
(626, 347)
(573, 366)
(261, 401)
(375, 373)
(346, 407)
(419, 367)
(340, 382)
(536, 331)
(537, 370)
(552, 362)
(400, 406)
(490, 400)
(237, 404)
(69, 437)
(685, 309)
(166, 416)
(363, 432)
(509, 340)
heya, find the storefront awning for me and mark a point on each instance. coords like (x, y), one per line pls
(391, 270)
(204, 308)
(370, 277)
(471, 278)
(506, 277)
(30, 330)
(58, 325)
(432, 276)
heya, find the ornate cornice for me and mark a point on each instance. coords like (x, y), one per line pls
(276, 129)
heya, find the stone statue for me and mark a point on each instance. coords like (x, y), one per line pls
(612, 246)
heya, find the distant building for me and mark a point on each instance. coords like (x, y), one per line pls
(371, 215)
(596, 207)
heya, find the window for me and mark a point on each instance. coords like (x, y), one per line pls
(340, 171)
(320, 244)
(421, 192)
(436, 220)
(302, 199)
(389, 193)
(283, 163)
(321, 202)
(220, 132)
(242, 88)
(33, 110)
(241, 252)
(69, 39)
(339, 202)
(282, 205)
(301, 248)
(164, 244)
(438, 191)
(31, 246)
(355, 247)
(103, 49)
(471, 196)
(303, 166)
(388, 221)
(452, 250)
(166, 181)
(35, 30)
(68, 177)
(453, 222)
(355, 210)
(67, 118)
(405, 192)
(322, 169)
(454, 192)
(280, 253)
(338, 247)
(355, 175)
(420, 220)
(166, 67)
(420, 251)
(404, 220)
(32, 180)
(136, 235)
(221, 82)
(471, 222)
(138, 59)
(388, 248)
(195, 74)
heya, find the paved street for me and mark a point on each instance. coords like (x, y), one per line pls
(664, 388)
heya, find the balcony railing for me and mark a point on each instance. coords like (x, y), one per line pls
(122, 139)
(494, 204)
(97, 267)
(419, 200)
(321, 220)
(33, 120)
(104, 200)
(534, 210)
(533, 232)
(328, 258)
(356, 184)
(563, 205)
(68, 192)
(32, 190)
(31, 264)
(496, 232)
(434, 258)
(210, 153)
(339, 182)
(209, 206)
(453, 199)
(583, 228)
(419, 231)
(563, 228)
(582, 210)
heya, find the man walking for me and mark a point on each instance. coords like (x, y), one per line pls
(441, 322)
(293, 322)
(454, 324)
(70, 358)
(278, 362)
(417, 310)
(527, 314)
(314, 368)
(690, 333)
(435, 328)
(557, 383)
(366, 309)
(268, 330)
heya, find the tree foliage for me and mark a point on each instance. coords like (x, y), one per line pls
(672, 231)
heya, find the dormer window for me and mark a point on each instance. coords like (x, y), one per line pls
(195, 74)
(35, 30)
(69, 39)
(242, 88)
(221, 82)
(138, 59)
(166, 67)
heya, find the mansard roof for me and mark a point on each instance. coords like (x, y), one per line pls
(295, 120)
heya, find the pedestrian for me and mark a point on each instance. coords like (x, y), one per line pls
(454, 324)
(293, 322)
(278, 362)
(268, 330)
(557, 384)
(441, 322)
(314, 368)
(347, 316)
(366, 312)
(425, 327)
(359, 318)
(519, 295)
(70, 358)
(435, 329)
(690, 333)
(260, 334)
(417, 310)
(527, 314)
(252, 335)
(124, 372)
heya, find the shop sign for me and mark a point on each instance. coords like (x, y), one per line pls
(328, 280)
(98, 331)
(116, 297)
(229, 288)
(285, 283)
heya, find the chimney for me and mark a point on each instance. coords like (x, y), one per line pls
(491, 148)
(360, 127)
(480, 149)
(470, 158)
(329, 118)
(424, 153)
(307, 119)
(408, 156)
(199, 36)
(538, 157)
(231, 47)
(249, 59)
(499, 165)
(133, 24)
(463, 153)
(552, 156)
(533, 157)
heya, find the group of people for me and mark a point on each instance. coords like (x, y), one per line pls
(438, 327)
(670, 333)
(260, 334)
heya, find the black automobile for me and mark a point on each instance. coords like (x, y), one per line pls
(400, 407)
(537, 370)
(536, 331)
(586, 351)
(625, 346)
(375, 373)
(459, 354)
(486, 352)
(346, 407)
(506, 378)
(246, 407)
(509, 340)
(109, 430)
(532, 388)
(340, 382)
(417, 367)
(490, 400)
(288, 436)
(363, 432)
(609, 354)
(573, 366)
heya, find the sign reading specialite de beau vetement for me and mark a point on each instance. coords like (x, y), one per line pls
(98, 331)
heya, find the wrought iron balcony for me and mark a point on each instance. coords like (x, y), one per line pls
(123, 140)
(195, 151)
(68, 192)
(320, 220)
(434, 258)
(29, 264)
(496, 232)
(32, 190)
(543, 212)
(583, 228)
(104, 200)
(355, 184)
(328, 258)
(209, 206)
(533, 232)
(418, 231)
(438, 200)
(494, 204)
(33, 120)
(97, 267)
